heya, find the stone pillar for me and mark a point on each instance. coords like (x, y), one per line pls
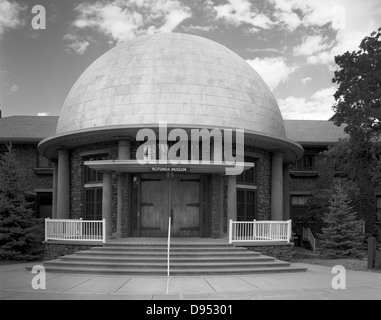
(221, 201)
(107, 203)
(55, 186)
(63, 185)
(286, 192)
(119, 207)
(232, 198)
(277, 186)
(124, 153)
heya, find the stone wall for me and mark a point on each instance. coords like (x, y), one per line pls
(34, 179)
(27, 156)
(77, 178)
(56, 250)
(217, 208)
(283, 252)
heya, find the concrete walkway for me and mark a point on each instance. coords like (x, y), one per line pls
(15, 284)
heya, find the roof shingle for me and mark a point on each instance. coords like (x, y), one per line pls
(37, 128)
(27, 127)
(313, 131)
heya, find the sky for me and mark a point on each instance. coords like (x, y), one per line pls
(290, 43)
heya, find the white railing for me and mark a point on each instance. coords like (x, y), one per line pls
(307, 235)
(257, 231)
(75, 230)
(169, 244)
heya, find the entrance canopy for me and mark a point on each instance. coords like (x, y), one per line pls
(164, 166)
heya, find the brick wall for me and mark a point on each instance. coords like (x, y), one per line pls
(77, 178)
(27, 156)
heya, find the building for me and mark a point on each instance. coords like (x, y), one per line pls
(88, 161)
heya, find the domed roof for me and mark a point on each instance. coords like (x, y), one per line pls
(182, 79)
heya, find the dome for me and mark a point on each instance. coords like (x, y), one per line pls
(181, 79)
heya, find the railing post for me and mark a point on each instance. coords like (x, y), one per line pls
(289, 230)
(230, 231)
(46, 229)
(80, 228)
(104, 230)
(169, 245)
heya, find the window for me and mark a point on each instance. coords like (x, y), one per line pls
(299, 200)
(92, 176)
(43, 162)
(248, 176)
(93, 203)
(378, 201)
(44, 204)
(306, 163)
(246, 204)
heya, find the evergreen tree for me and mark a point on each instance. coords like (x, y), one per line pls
(341, 236)
(20, 232)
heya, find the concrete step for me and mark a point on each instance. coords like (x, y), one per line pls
(175, 272)
(165, 244)
(206, 259)
(143, 253)
(185, 259)
(172, 249)
(163, 265)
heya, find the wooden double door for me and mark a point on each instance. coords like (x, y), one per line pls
(179, 196)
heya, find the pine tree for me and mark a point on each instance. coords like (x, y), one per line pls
(341, 237)
(20, 232)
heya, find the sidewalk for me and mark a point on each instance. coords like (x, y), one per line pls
(15, 284)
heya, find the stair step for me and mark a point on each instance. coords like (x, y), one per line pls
(163, 265)
(175, 272)
(164, 259)
(165, 245)
(185, 259)
(164, 254)
(172, 249)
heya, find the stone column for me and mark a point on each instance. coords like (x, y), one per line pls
(63, 185)
(277, 186)
(107, 202)
(221, 203)
(286, 192)
(55, 186)
(124, 153)
(232, 198)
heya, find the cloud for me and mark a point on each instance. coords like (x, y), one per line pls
(76, 45)
(10, 15)
(317, 107)
(120, 20)
(42, 114)
(238, 12)
(311, 45)
(173, 19)
(305, 80)
(13, 89)
(273, 70)
(350, 22)
(194, 28)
